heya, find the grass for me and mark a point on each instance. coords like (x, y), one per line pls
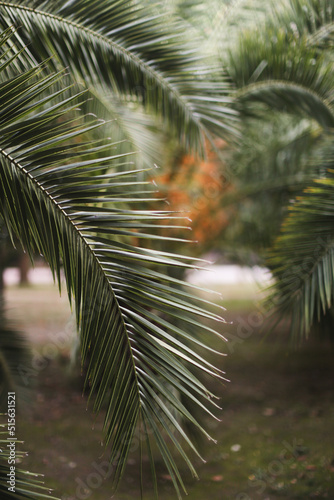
(275, 439)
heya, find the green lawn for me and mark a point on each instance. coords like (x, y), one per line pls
(275, 437)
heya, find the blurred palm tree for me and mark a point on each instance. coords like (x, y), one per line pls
(283, 76)
(71, 191)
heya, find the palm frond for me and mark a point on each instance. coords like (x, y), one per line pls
(123, 46)
(289, 97)
(284, 73)
(55, 199)
(302, 260)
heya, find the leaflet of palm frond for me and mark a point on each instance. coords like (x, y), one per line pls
(302, 260)
(54, 199)
(120, 44)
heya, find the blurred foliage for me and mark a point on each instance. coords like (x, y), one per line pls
(282, 71)
(195, 187)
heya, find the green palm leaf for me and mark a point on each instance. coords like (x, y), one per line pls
(303, 260)
(284, 73)
(55, 199)
(125, 48)
(286, 65)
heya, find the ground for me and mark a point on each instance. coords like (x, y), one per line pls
(275, 437)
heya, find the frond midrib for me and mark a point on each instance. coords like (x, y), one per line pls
(247, 89)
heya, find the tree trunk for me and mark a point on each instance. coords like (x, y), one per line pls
(24, 266)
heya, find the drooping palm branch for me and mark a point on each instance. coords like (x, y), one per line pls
(54, 198)
(122, 46)
(302, 259)
(275, 69)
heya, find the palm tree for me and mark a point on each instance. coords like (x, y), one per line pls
(283, 76)
(70, 193)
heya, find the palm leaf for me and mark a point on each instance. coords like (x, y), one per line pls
(303, 260)
(287, 65)
(283, 73)
(122, 46)
(54, 198)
